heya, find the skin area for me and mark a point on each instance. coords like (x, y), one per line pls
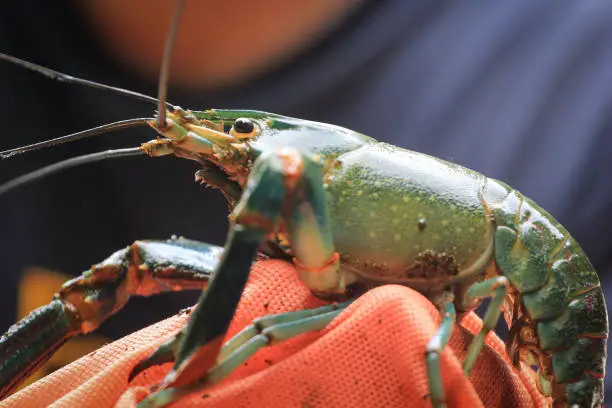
(219, 43)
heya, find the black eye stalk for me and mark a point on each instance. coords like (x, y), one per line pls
(243, 125)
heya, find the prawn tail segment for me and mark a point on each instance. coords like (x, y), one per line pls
(559, 319)
(577, 337)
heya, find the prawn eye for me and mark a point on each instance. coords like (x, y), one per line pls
(242, 125)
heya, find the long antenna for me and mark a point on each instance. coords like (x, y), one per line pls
(164, 73)
(61, 77)
(68, 163)
(163, 105)
(122, 124)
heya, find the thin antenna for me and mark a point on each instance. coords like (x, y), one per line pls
(76, 136)
(165, 68)
(61, 77)
(68, 163)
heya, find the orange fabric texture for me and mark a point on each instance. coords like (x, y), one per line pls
(371, 355)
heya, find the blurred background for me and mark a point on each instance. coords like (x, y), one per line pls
(520, 91)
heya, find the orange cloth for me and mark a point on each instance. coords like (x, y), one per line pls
(371, 355)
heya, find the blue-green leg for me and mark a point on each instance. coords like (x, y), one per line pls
(496, 289)
(269, 330)
(281, 184)
(434, 351)
(262, 332)
(144, 268)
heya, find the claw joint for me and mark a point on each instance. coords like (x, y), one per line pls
(333, 261)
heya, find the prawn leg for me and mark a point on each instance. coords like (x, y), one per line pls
(434, 351)
(496, 289)
(261, 333)
(283, 184)
(144, 268)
